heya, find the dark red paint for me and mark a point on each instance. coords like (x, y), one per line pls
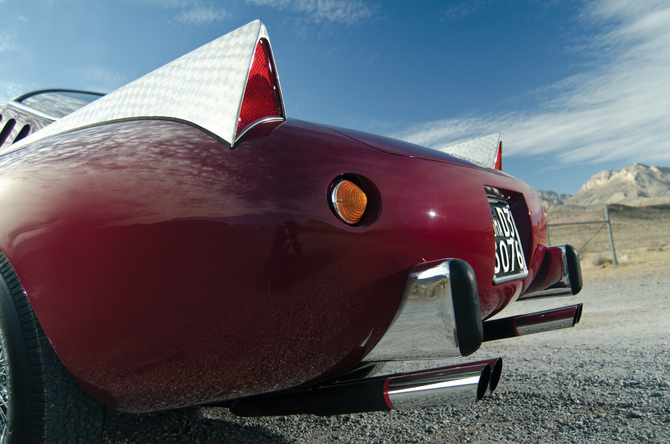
(145, 250)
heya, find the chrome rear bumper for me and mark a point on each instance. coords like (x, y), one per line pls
(439, 317)
(559, 275)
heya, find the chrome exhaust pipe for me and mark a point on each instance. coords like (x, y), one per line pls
(447, 385)
(496, 365)
(527, 324)
(438, 386)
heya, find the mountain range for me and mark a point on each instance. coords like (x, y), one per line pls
(637, 185)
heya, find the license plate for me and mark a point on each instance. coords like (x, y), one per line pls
(510, 261)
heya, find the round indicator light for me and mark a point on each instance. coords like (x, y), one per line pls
(349, 201)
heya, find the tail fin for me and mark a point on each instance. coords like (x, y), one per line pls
(484, 151)
(225, 87)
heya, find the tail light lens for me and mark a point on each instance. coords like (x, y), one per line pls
(261, 96)
(498, 164)
(349, 201)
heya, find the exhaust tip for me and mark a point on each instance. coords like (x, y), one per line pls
(484, 381)
(578, 314)
(496, 373)
(423, 388)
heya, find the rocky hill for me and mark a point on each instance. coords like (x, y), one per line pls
(552, 196)
(636, 186)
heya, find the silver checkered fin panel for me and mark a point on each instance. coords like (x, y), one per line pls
(205, 87)
(481, 151)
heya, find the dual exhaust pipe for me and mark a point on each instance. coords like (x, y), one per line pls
(437, 291)
(438, 386)
(549, 320)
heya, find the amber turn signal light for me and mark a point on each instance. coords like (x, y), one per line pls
(349, 201)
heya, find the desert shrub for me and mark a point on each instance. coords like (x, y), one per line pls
(602, 261)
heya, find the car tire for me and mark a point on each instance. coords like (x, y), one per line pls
(40, 402)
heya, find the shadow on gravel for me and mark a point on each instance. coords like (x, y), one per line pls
(181, 426)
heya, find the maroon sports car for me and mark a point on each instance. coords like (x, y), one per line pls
(180, 241)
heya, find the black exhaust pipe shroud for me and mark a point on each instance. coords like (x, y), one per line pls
(541, 321)
(438, 386)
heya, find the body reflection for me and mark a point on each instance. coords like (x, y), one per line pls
(285, 264)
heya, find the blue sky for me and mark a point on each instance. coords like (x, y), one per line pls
(575, 87)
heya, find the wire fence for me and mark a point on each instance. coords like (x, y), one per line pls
(606, 223)
(612, 231)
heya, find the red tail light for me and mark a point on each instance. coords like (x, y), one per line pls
(261, 96)
(498, 165)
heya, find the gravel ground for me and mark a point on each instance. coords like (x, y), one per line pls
(606, 380)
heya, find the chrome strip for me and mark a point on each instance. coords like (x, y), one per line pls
(32, 111)
(426, 327)
(548, 320)
(258, 122)
(548, 292)
(512, 277)
(55, 90)
(541, 327)
(264, 34)
(539, 322)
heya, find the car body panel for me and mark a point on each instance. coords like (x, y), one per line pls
(145, 249)
(176, 253)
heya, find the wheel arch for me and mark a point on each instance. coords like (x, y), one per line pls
(44, 403)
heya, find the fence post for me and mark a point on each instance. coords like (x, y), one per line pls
(609, 227)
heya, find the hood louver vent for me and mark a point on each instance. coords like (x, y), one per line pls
(6, 130)
(7, 136)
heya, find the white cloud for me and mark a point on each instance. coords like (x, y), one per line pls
(98, 78)
(7, 43)
(319, 11)
(194, 12)
(462, 10)
(169, 4)
(202, 15)
(617, 110)
(9, 90)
